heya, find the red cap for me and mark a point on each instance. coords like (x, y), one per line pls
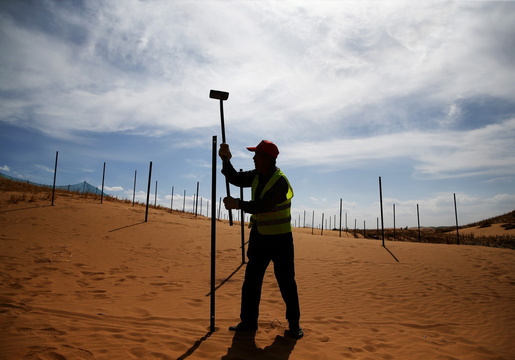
(266, 147)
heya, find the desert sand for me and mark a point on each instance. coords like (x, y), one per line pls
(84, 280)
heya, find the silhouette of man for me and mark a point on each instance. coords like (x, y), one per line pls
(271, 236)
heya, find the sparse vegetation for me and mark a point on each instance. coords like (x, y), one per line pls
(24, 192)
(21, 192)
(441, 236)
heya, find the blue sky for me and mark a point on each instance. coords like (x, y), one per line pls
(419, 93)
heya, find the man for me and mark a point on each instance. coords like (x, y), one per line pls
(271, 236)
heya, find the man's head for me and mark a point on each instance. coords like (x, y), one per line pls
(266, 154)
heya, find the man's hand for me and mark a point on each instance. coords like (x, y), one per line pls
(231, 203)
(225, 152)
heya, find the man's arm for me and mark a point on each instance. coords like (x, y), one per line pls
(274, 196)
(243, 179)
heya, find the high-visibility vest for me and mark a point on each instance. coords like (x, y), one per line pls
(278, 220)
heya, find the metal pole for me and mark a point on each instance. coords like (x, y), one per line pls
(227, 187)
(134, 190)
(456, 214)
(148, 189)
(196, 201)
(213, 239)
(382, 218)
(103, 177)
(322, 225)
(55, 174)
(418, 219)
(341, 217)
(313, 222)
(184, 202)
(242, 226)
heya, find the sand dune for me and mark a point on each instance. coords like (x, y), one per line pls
(83, 280)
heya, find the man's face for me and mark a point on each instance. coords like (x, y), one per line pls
(262, 162)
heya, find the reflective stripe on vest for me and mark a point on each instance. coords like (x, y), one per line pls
(278, 220)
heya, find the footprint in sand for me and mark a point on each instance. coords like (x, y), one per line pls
(97, 294)
(78, 352)
(46, 331)
(66, 352)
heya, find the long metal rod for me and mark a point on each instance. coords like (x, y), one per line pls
(341, 217)
(213, 238)
(227, 187)
(242, 227)
(55, 175)
(418, 220)
(148, 190)
(456, 214)
(196, 200)
(103, 178)
(134, 190)
(382, 218)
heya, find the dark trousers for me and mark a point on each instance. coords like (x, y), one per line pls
(263, 249)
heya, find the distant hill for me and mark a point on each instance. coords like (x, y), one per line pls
(82, 188)
(508, 218)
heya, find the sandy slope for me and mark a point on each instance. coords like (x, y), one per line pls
(82, 280)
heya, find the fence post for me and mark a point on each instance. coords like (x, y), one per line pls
(148, 189)
(103, 177)
(382, 218)
(196, 200)
(134, 191)
(213, 238)
(340, 217)
(322, 225)
(418, 220)
(242, 223)
(55, 174)
(313, 222)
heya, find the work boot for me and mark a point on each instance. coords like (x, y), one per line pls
(295, 330)
(296, 333)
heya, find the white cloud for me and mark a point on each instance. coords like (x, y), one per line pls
(45, 168)
(289, 66)
(113, 188)
(5, 168)
(436, 154)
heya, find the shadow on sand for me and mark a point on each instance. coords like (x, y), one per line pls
(226, 279)
(195, 346)
(244, 347)
(391, 254)
(128, 226)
